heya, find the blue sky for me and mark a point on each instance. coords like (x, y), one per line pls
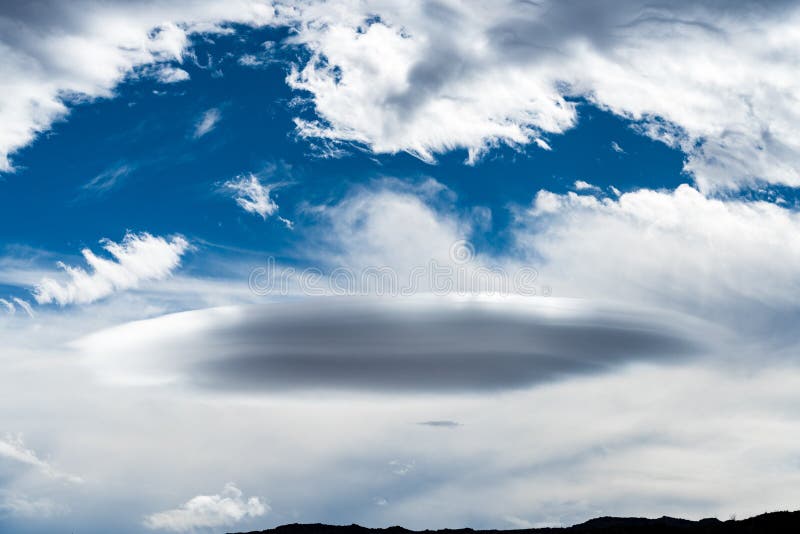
(142, 141)
(625, 174)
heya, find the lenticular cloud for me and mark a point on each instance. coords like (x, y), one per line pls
(138, 258)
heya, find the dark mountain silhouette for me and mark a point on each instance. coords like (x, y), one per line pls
(774, 522)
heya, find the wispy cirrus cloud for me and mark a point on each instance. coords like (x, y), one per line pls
(137, 258)
(14, 448)
(207, 122)
(8, 306)
(25, 306)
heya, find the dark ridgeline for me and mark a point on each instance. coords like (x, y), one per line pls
(773, 522)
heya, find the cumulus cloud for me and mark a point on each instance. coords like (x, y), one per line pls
(427, 77)
(208, 511)
(13, 448)
(391, 223)
(56, 52)
(137, 258)
(207, 122)
(732, 261)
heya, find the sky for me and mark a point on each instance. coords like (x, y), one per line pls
(430, 263)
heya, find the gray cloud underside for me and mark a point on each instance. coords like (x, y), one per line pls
(388, 347)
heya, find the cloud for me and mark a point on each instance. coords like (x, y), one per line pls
(13, 448)
(8, 306)
(107, 180)
(390, 223)
(428, 77)
(208, 511)
(252, 196)
(207, 122)
(54, 53)
(440, 423)
(402, 468)
(728, 261)
(168, 74)
(26, 307)
(138, 258)
(616, 148)
(413, 344)
(22, 506)
(581, 185)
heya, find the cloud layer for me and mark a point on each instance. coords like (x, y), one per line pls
(417, 344)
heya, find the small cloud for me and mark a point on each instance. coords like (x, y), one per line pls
(13, 448)
(139, 257)
(207, 122)
(440, 424)
(402, 468)
(254, 197)
(380, 501)
(26, 307)
(108, 179)
(289, 224)
(580, 185)
(260, 60)
(614, 190)
(168, 74)
(616, 148)
(208, 511)
(9, 307)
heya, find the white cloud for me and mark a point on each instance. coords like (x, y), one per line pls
(8, 306)
(581, 185)
(392, 223)
(729, 260)
(54, 52)
(426, 78)
(25, 305)
(168, 74)
(254, 197)
(138, 258)
(13, 447)
(208, 511)
(207, 122)
(616, 148)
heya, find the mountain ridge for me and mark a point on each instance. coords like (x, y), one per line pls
(771, 522)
